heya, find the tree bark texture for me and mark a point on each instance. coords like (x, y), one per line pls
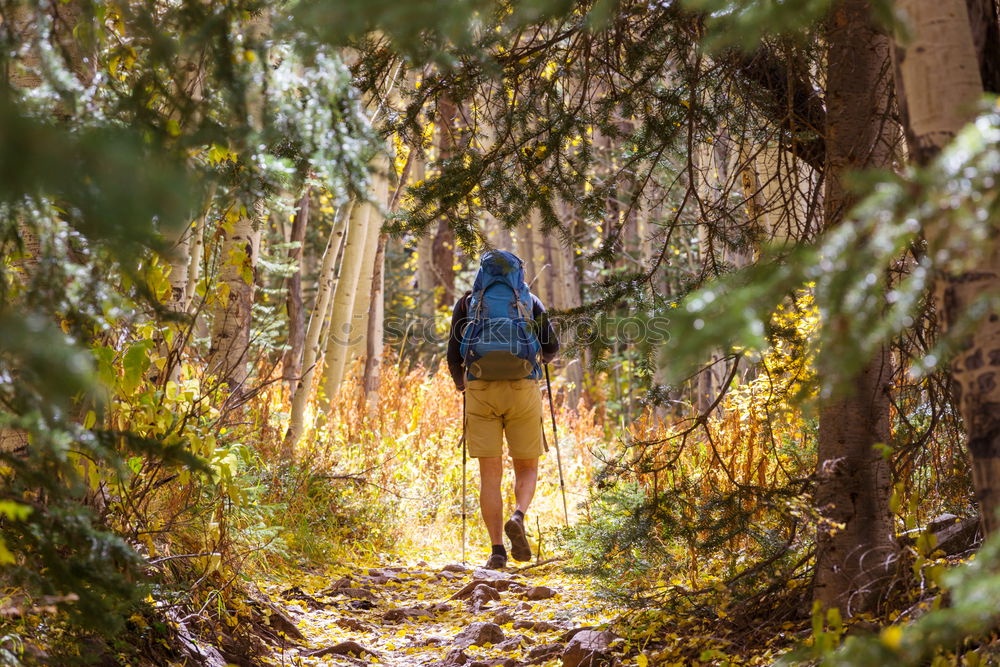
(425, 252)
(292, 361)
(714, 164)
(525, 241)
(984, 20)
(443, 244)
(26, 29)
(942, 81)
(567, 296)
(362, 301)
(310, 347)
(338, 342)
(229, 351)
(376, 321)
(856, 547)
(940, 73)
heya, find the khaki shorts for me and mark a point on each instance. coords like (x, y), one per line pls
(497, 407)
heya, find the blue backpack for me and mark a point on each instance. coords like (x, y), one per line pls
(499, 342)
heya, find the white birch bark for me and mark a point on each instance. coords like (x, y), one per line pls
(23, 73)
(940, 71)
(310, 348)
(362, 301)
(941, 78)
(376, 322)
(525, 241)
(179, 260)
(338, 343)
(196, 252)
(228, 354)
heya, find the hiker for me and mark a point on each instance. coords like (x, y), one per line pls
(498, 332)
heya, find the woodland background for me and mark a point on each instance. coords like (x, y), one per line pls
(232, 233)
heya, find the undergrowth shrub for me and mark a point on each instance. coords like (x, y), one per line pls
(403, 449)
(705, 525)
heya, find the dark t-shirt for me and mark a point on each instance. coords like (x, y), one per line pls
(460, 319)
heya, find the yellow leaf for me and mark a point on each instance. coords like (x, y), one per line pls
(892, 637)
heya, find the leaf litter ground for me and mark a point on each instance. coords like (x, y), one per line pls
(397, 613)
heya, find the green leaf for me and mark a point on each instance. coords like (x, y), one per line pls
(14, 511)
(135, 363)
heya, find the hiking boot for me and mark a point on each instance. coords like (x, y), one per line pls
(496, 562)
(514, 528)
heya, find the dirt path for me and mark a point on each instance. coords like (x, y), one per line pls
(445, 615)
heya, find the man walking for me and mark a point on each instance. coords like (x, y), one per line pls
(498, 332)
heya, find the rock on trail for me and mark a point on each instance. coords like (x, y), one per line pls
(444, 616)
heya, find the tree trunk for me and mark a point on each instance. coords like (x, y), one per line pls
(338, 344)
(548, 284)
(942, 81)
(197, 248)
(310, 348)
(362, 300)
(425, 253)
(179, 259)
(443, 245)
(856, 547)
(292, 363)
(376, 322)
(526, 245)
(713, 164)
(985, 24)
(229, 351)
(25, 26)
(567, 296)
(939, 72)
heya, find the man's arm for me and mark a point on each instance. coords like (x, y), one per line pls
(546, 334)
(459, 317)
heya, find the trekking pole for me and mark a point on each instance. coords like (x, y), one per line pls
(463, 476)
(555, 439)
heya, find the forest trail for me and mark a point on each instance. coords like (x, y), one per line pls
(444, 615)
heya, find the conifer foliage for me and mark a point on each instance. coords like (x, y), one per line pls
(232, 233)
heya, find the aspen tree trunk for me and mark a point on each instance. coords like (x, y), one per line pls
(232, 316)
(857, 553)
(338, 342)
(362, 299)
(713, 164)
(310, 347)
(984, 20)
(292, 363)
(540, 279)
(425, 253)
(376, 321)
(228, 354)
(526, 246)
(942, 81)
(189, 85)
(567, 296)
(548, 286)
(197, 248)
(25, 27)
(375, 340)
(179, 260)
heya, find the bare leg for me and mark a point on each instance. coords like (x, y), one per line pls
(490, 499)
(525, 479)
